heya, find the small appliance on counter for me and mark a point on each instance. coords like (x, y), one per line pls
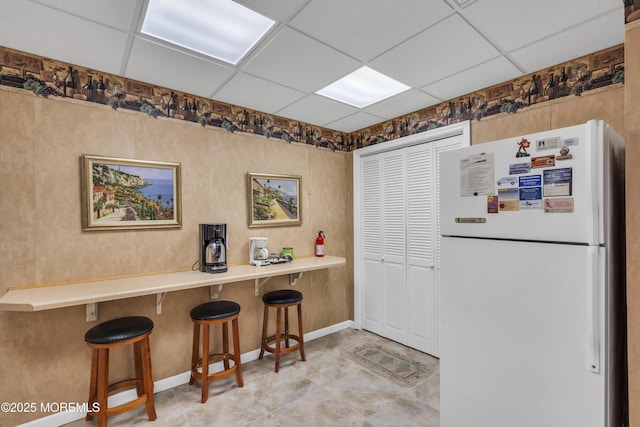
(213, 248)
(259, 254)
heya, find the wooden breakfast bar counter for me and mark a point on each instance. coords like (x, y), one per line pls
(90, 293)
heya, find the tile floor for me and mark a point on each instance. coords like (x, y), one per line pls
(327, 390)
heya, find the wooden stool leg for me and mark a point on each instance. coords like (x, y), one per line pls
(93, 383)
(225, 344)
(278, 337)
(300, 332)
(236, 352)
(265, 319)
(194, 351)
(286, 327)
(147, 375)
(139, 370)
(205, 363)
(103, 385)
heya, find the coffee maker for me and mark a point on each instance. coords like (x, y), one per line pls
(258, 252)
(213, 248)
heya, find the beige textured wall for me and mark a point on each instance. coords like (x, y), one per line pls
(632, 120)
(43, 355)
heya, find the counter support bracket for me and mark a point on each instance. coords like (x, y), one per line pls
(214, 290)
(258, 284)
(159, 300)
(293, 277)
(92, 312)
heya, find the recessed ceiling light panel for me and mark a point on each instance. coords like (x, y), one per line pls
(222, 29)
(363, 87)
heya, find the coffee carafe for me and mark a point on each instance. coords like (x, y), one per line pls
(216, 252)
(213, 248)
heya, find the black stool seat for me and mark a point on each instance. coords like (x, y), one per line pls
(117, 330)
(215, 310)
(282, 296)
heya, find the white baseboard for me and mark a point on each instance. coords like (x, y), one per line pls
(65, 417)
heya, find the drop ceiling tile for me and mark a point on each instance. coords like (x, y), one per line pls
(447, 48)
(62, 36)
(316, 109)
(514, 24)
(464, 3)
(573, 43)
(252, 92)
(113, 13)
(484, 75)
(297, 61)
(403, 103)
(354, 122)
(154, 63)
(275, 9)
(363, 30)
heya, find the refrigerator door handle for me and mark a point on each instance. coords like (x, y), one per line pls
(593, 323)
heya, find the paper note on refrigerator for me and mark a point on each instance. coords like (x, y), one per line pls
(476, 175)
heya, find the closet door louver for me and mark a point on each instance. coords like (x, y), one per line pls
(393, 206)
(371, 205)
(420, 198)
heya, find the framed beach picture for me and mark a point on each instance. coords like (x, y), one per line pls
(274, 200)
(127, 194)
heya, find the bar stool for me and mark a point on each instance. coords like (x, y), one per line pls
(282, 299)
(111, 334)
(205, 315)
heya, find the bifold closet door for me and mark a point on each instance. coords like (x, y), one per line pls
(421, 282)
(394, 241)
(370, 223)
(397, 240)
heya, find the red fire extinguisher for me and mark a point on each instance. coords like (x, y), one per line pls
(320, 244)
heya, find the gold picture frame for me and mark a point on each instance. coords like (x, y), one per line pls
(274, 200)
(121, 194)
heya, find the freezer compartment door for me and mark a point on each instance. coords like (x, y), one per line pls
(492, 190)
(521, 334)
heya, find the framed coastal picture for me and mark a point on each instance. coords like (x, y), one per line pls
(128, 194)
(274, 200)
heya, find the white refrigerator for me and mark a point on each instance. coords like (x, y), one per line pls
(532, 281)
